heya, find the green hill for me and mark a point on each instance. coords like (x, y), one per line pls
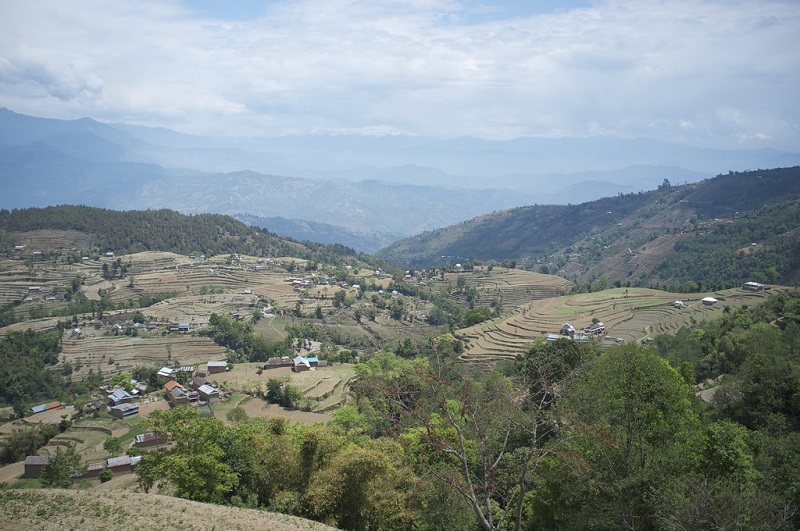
(126, 232)
(639, 238)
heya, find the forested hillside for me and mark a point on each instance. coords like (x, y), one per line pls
(762, 247)
(125, 232)
(702, 223)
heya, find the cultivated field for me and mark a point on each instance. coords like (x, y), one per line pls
(509, 287)
(631, 314)
(196, 288)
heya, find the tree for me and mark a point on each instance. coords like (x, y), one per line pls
(363, 488)
(20, 443)
(635, 429)
(61, 467)
(122, 380)
(112, 445)
(193, 465)
(106, 475)
(485, 440)
(237, 415)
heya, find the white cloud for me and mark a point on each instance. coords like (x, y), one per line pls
(713, 72)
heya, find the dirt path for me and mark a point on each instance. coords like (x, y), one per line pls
(11, 473)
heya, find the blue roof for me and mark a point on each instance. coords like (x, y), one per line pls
(119, 394)
(313, 360)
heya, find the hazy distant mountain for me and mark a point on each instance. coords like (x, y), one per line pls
(383, 185)
(302, 230)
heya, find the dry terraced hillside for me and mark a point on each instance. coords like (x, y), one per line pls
(631, 314)
(196, 289)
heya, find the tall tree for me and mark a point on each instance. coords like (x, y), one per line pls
(636, 429)
(485, 439)
(59, 470)
(194, 465)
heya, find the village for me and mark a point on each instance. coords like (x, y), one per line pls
(186, 386)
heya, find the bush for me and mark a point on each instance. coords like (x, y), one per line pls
(106, 475)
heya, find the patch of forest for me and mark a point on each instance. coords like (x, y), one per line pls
(125, 232)
(762, 247)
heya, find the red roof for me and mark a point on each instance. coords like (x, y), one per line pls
(172, 384)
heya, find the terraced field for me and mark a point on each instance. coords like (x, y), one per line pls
(113, 354)
(200, 288)
(628, 313)
(510, 287)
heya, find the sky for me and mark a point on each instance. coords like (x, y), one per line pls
(711, 73)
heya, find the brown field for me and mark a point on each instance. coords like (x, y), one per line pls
(510, 287)
(200, 288)
(323, 386)
(628, 313)
(112, 354)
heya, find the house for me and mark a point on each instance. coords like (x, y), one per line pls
(124, 410)
(120, 465)
(119, 396)
(178, 397)
(34, 289)
(678, 304)
(207, 393)
(92, 471)
(595, 329)
(168, 372)
(754, 286)
(313, 361)
(580, 338)
(49, 406)
(300, 364)
(34, 465)
(215, 367)
(197, 382)
(77, 333)
(148, 440)
(567, 330)
(172, 384)
(553, 337)
(708, 301)
(274, 363)
(109, 254)
(19, 247)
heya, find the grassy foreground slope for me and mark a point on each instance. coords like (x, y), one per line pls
(116, 508)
